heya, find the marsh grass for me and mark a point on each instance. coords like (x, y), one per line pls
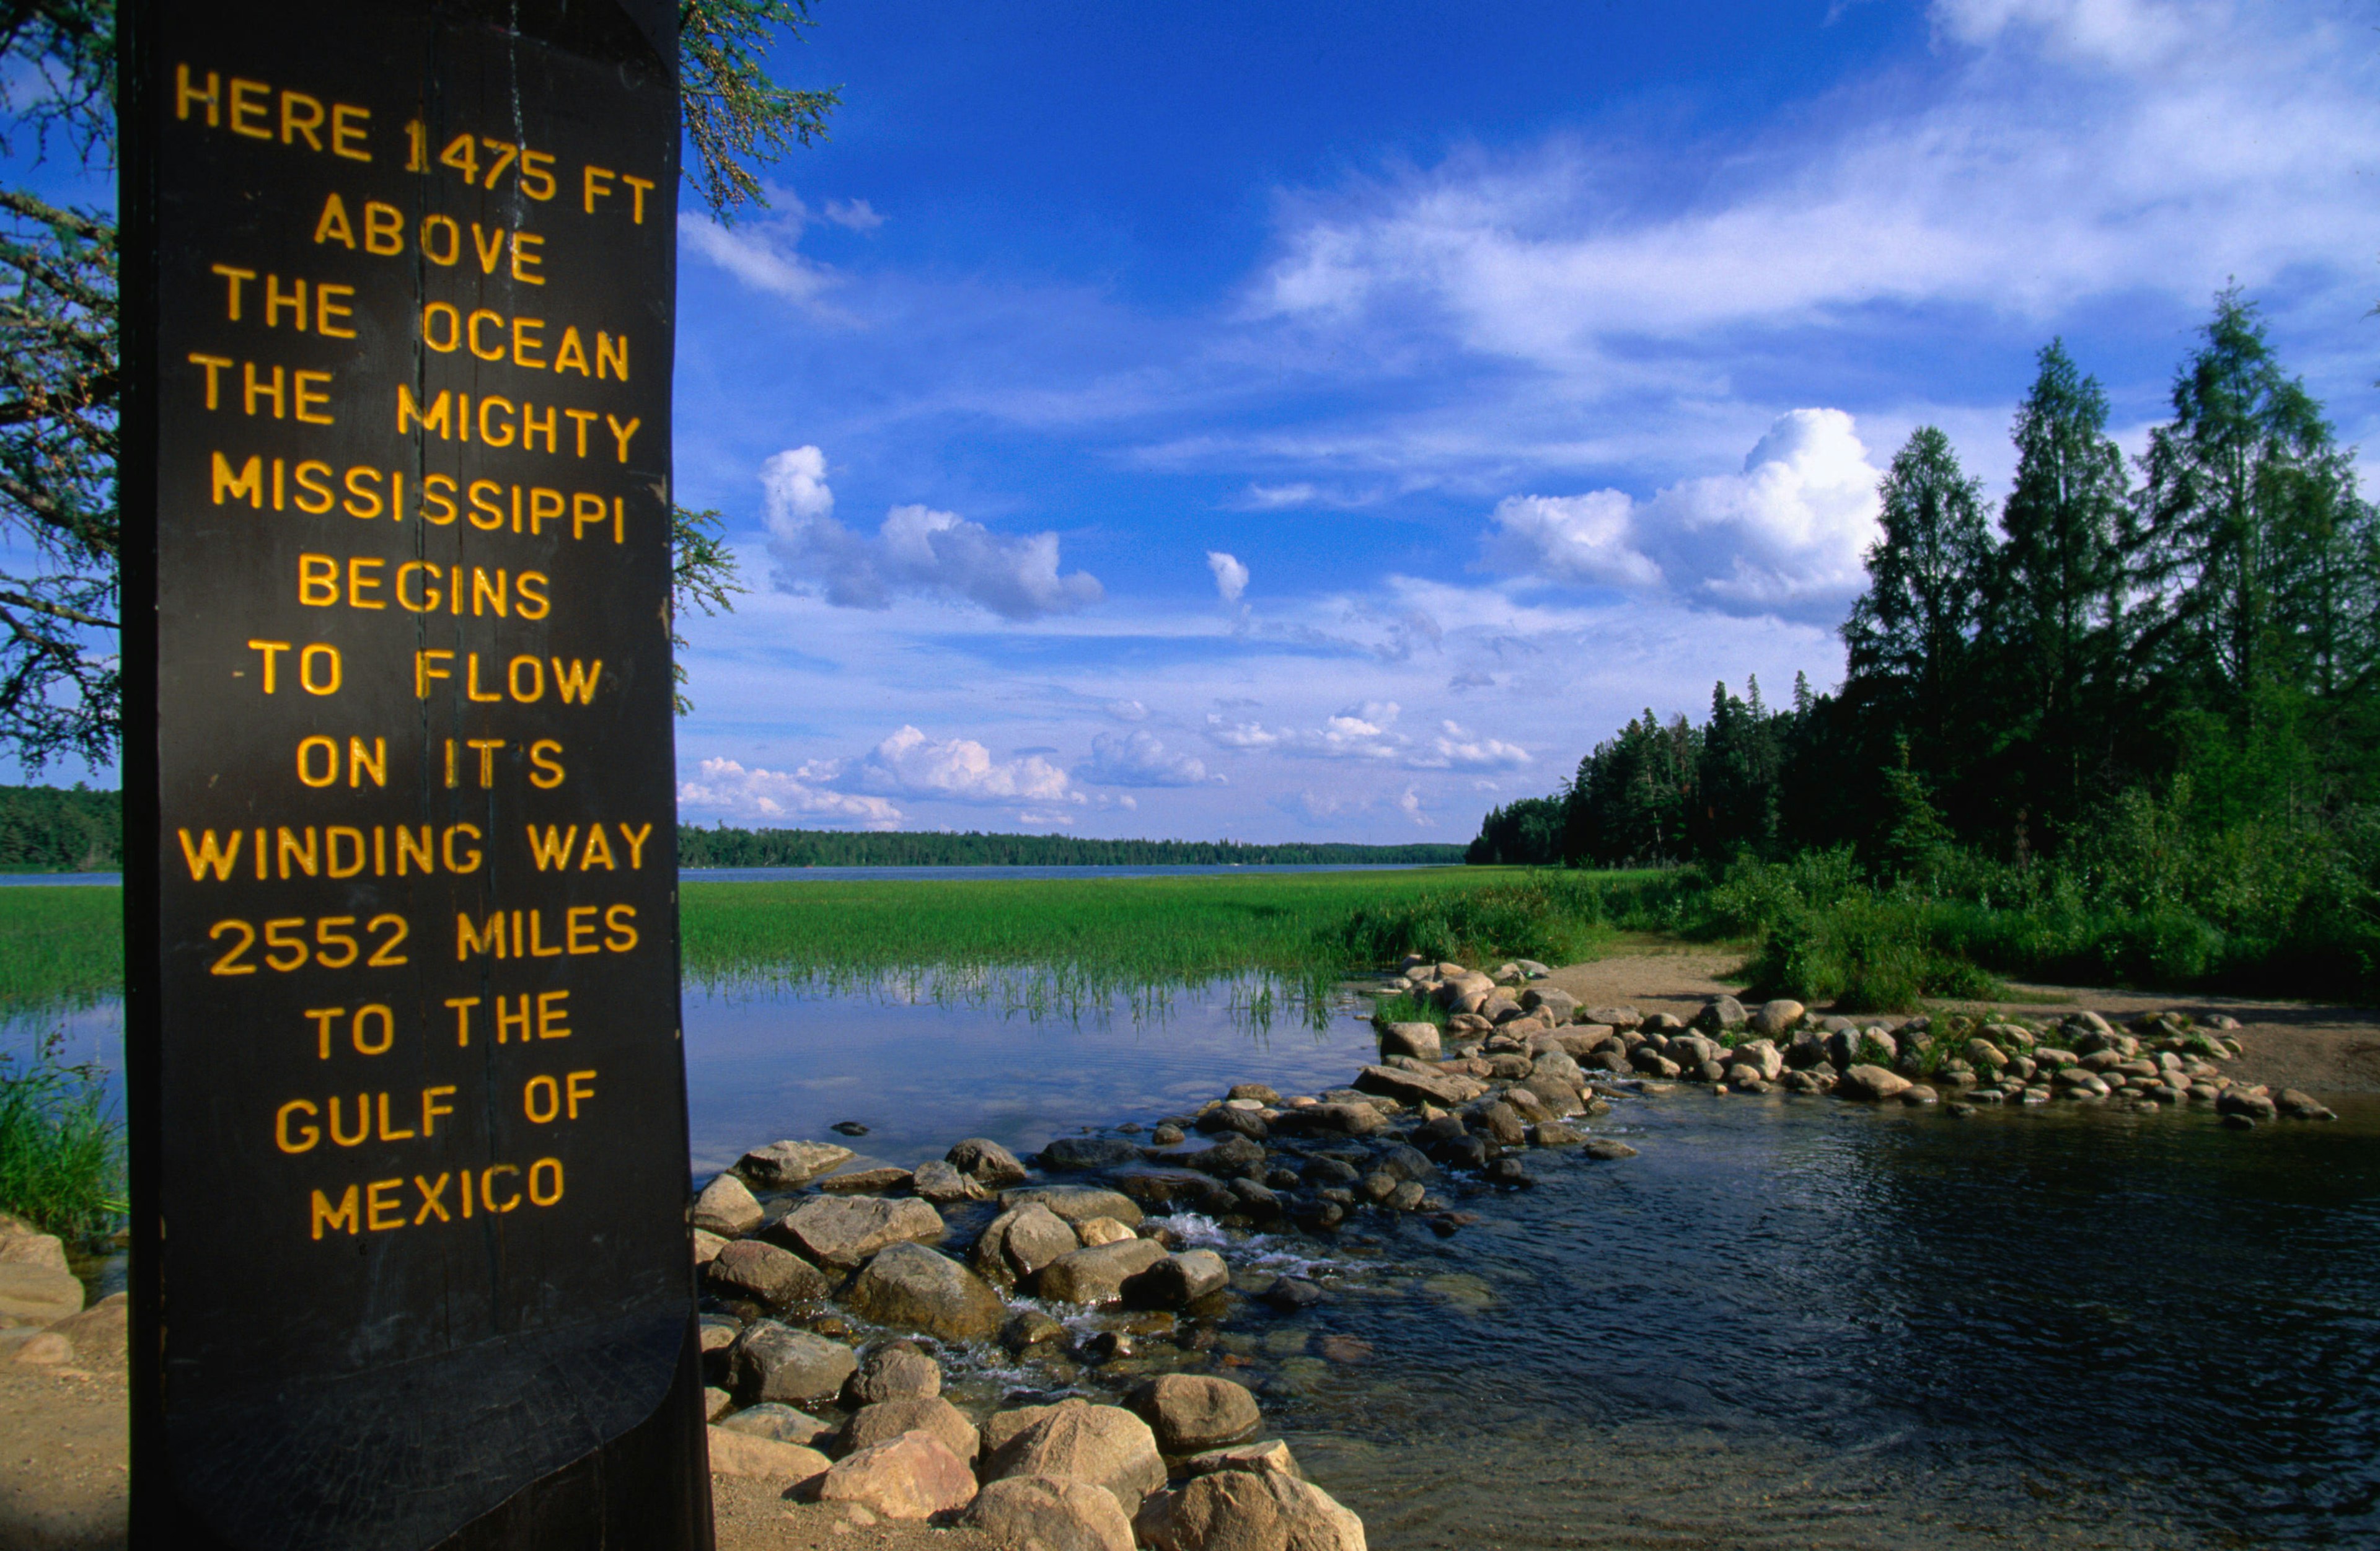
(61, 1144)
(60, 946)
(1053, 947)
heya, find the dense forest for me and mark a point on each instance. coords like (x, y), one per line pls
(723, 847)
(53, 828)
(2137, 710)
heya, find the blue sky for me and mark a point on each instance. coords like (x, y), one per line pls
(1328, 421)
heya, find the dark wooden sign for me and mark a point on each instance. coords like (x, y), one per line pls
(411, 1257)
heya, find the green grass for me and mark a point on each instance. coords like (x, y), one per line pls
(1060, 944)
(61, 1144)
(61, 946)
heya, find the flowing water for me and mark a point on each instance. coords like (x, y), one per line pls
(1789, 1323)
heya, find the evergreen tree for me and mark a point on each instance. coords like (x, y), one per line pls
(1909, 637)
(2054, 608)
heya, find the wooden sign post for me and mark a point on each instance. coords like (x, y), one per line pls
(411, 1262)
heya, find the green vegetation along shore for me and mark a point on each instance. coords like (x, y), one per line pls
(59, 829)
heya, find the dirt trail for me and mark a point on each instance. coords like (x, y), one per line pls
(2320, 1047)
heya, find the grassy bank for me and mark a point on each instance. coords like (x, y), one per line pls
(61, 1144)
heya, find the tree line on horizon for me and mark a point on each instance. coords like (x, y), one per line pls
(724, 847)
(2149, 678)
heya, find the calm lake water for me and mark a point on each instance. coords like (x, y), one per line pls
(1788, 1323)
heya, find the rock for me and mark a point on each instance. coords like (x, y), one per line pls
(707, 1246)
(1096, 1274)
(716, 1402)
(848, 1127)
(1603, 1150)
(843, 1230)
(34, 1249)
(882, 1421)
(1190, 1412)
(886, 1180)
(1416, 1087)
(1871, 1082)
(48, 1349)
(1762, 1056)
(733, 1453)
(1103, 1230)
(1248, 1510)
(1075, 1204)
(717, 1332)
(2302, 1106)
(1333, 1120)
(942, 1183)
(912, 1477)
(1652, 1063)
(773, 1362)
(1270, 1457)
(1234, 1155)
(782, 1424)
(1020, 1242)
(911, 1287)
(102, 1327)
(789, 1165)
(1721, 1012)
(1500, 1121)
(986, 1162)
(1558, 1006)
(1290, 1294)
(2246, 1102)
(1778, 1018)
(39, 1295)
(748, 1269)
(1257, 1093)
(1918, 1094)
(1177, 1281)
(1618, 1019)
(1418, 1040)
(895, 1371)
(1072, 1154)
(1105, 1446)
(1231, 1118)
(1554, 1133)
(1029, 1327)
(1050, 1513)
(727, 1208)
(1167, 1136)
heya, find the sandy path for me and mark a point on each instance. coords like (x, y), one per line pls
(2320, 1047)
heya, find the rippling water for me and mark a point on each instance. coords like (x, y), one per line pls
(1789, 1323)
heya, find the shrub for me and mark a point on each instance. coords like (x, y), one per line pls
(61, 1144)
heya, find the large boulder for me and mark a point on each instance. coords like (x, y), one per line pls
(1075, 1204)
(1050, 1513)
(1337, 1118)
(1421, 1041)
(844, 1230)
(887, 1419)
(913, 1288)
(1069, 1154)
(1761, 1055)
(986, 1162)
(942, 1185)
(774, 1361)
(37, 1295)
(914, 1476)
(1248, 1510)
(1269, 1457)
(1720, 1013)
(1020, 1242)
(1106, 1445)
(790, 1165)
(748, 1269)
(1871, 1082)
(727, 1208)
(895, 1371)
(1191, 1413)
(1177, 1281)
(1443, 1089)
(749, 1454)
(1778, 1018)
(1618, 1019)
(778, 1422)
(1096, 1274)
(1556, 1005)
(1234, 1155)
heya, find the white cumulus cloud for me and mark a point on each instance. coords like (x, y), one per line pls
(728, 789)
(917, 552)
(1788, 535)
(1231, 576)
(1140, 759)
(909, 764)
(1458, 748)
